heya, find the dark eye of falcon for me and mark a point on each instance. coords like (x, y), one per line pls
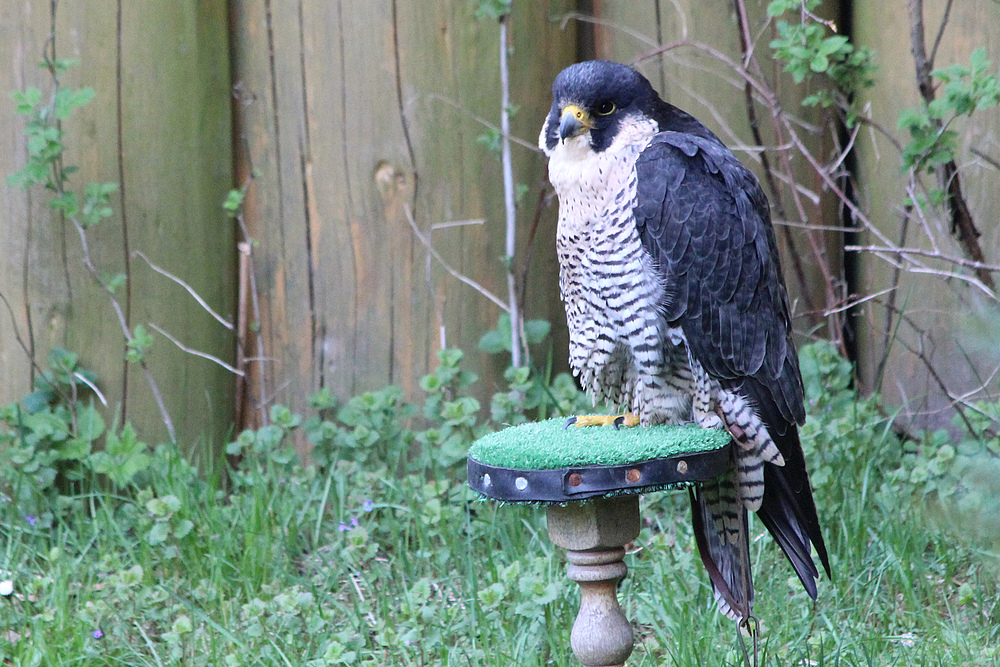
(605, 108)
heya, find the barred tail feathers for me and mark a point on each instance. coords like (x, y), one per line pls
(754, 446)
(721, 532)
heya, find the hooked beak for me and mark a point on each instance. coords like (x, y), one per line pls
(574, 122)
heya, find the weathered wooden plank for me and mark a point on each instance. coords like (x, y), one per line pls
(938, 309)
(271, 140)
(21, 231)
(358, 116)
(173, 168)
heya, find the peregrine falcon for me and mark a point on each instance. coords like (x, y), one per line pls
(677, 308)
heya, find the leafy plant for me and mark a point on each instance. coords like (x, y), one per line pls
(807, 49)
(46, 147)
(965, 89)
(123, 457)
(379, 538)
(497, 341)
(47, 440)
(45, 166)
(492, 9)
(958, 480)
(165, 515)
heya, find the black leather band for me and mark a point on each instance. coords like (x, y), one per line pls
(580, 482)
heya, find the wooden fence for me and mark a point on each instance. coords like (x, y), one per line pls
(159, 127)
(357, 119)
(945, 349)
(354, 128)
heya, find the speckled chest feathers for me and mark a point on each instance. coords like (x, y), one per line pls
(620, 344)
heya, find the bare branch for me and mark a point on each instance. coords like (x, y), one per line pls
(934, 254)
(510, 210)
(197, 353)
(940, 34)
(918, 49)
(958, 403)
(20, 341)
(587, 18)
(855, 302)
(190, 290)
(458, 223)
(986, 158)
(962, 224)
(531, 146)
(93, 387)
(447, 267)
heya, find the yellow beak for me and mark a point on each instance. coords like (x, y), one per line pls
(573, 122)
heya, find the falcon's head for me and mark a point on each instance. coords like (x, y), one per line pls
(596, 102)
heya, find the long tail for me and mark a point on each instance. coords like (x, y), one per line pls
(786, 506)
(789, 513)
(720, 529)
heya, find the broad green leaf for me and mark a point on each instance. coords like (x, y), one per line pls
(159, 533)
(89, 424)
(535, 331)
(73, 449)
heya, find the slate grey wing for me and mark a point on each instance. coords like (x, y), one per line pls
(704, 219)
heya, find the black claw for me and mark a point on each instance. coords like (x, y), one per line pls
(569, 422)
(619, 420)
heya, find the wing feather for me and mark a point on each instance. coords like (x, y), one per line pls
(703, 218)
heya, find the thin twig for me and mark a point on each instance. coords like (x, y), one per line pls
(747, 47)
(986, 158)
(856, 302)
(458, 223)
(510, 210)
(447, 267)
(533, 147)
(93, 387)
(246, 247)
(959, 404)
(160, 403)
(543, 198)
(937, 40)
(190, 290)
(891, 323)
(20, 341)
(934, 254)
(587, 18)
(196, 353)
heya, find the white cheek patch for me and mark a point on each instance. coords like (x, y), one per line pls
(633, 129)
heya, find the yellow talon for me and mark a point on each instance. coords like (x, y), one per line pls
(628, 419)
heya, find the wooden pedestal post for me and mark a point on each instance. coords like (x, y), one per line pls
(594, 534)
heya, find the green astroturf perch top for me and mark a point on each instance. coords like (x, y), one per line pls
(544, 462)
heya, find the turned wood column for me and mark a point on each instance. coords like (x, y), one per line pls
(594, 535)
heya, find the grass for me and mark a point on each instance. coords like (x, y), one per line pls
(379, 555)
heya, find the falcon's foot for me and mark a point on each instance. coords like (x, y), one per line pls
(628, 419)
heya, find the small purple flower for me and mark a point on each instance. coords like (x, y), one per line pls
(368, 505)
(30, 519)
(98, 633)
(345, 527)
